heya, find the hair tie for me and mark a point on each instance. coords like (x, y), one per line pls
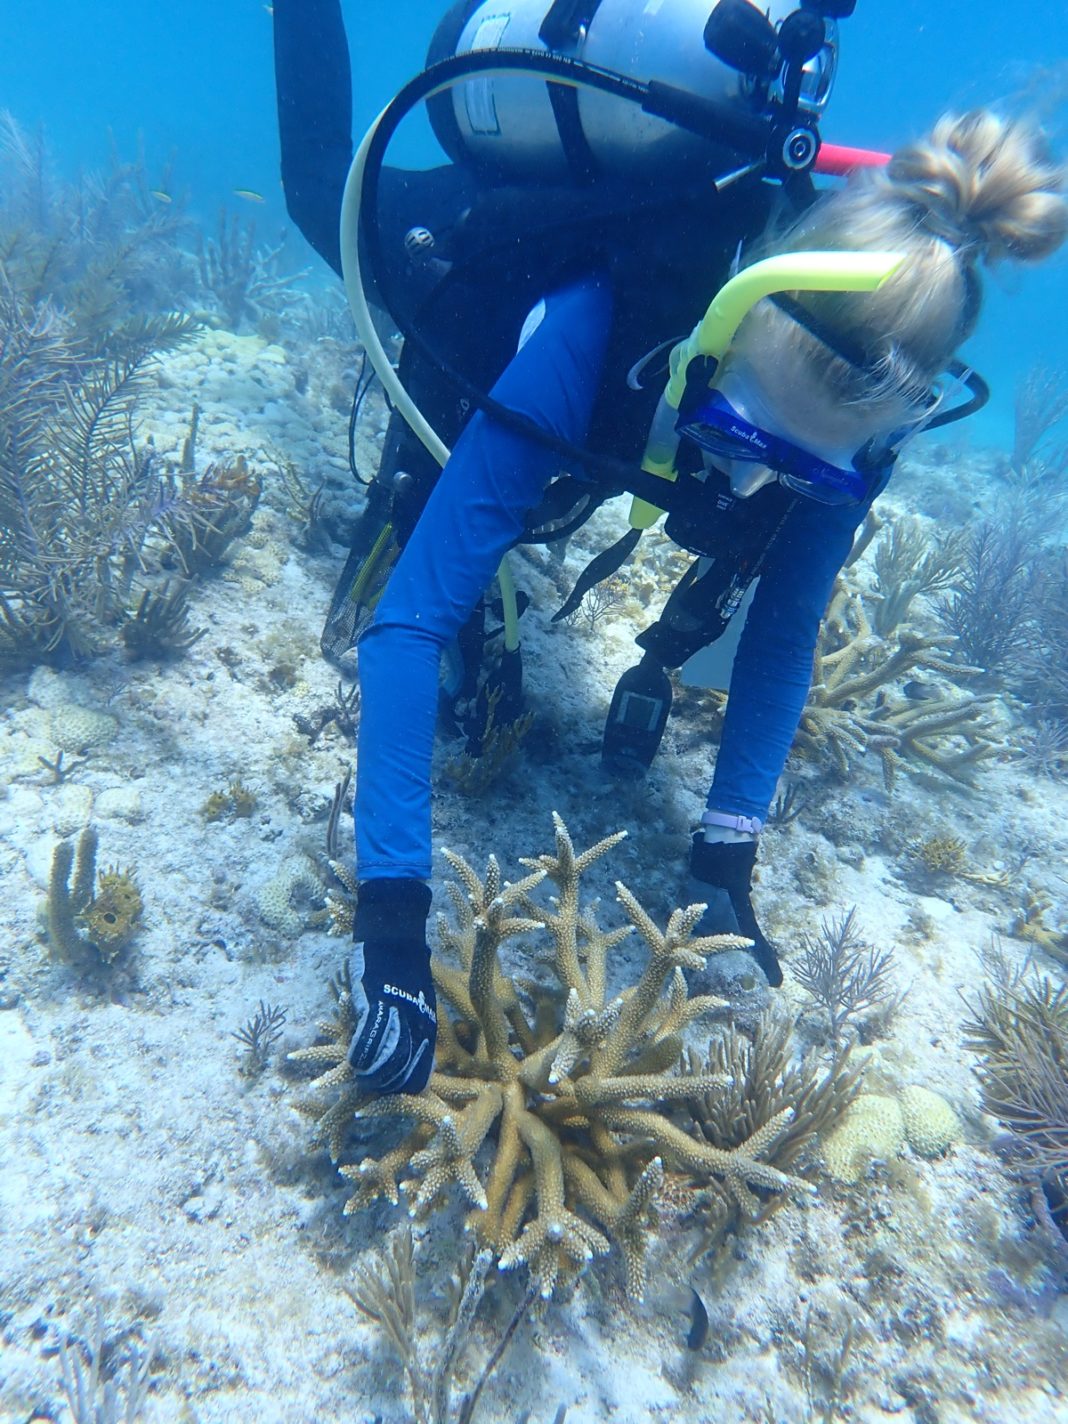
(955, 235)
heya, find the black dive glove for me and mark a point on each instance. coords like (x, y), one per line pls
(392, 1050)
(727, 870)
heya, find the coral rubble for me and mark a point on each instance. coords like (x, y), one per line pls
(556, 1119)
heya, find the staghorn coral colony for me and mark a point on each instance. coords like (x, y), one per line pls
(576, 1089)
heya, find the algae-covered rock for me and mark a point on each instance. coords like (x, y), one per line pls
(736, 977)
(71, 806)
(873, 1129)
(931, 1125)
(121, 803)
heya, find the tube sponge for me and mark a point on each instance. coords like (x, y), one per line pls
(87, 916)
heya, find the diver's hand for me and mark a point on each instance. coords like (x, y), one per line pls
(392, 1049)
(724, 876)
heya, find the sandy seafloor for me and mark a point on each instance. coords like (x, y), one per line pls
(140, 1169)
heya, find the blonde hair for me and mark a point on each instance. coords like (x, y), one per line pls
(978, 188)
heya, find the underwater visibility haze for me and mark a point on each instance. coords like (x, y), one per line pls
(746, 1106)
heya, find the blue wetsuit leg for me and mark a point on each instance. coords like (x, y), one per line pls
(474, 515)
(773, 667)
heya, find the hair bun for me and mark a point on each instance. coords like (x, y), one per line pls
(986, 185)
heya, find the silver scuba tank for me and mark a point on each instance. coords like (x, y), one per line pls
(512, 123)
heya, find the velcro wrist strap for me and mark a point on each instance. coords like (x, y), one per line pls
(391, 911)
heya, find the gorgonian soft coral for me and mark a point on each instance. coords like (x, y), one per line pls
(855, 704)
(553, 1114)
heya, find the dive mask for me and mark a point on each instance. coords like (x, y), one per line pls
(732, 423)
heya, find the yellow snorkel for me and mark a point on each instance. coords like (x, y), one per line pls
(713, 334)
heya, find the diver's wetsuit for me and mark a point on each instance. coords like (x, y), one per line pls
(599, 318)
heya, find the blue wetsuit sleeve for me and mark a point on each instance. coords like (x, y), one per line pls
(772, 670)
(475, 513)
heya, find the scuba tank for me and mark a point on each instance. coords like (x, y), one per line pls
(722, 52)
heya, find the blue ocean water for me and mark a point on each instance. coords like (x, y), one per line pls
(193, 80)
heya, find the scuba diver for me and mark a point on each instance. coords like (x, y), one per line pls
(544, 280)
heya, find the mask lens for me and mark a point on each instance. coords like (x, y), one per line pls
(717, 427)
(828, 485)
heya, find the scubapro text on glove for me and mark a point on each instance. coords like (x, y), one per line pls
(419, 1000)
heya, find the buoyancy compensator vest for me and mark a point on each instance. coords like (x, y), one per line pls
(625, 132)
(668, 101)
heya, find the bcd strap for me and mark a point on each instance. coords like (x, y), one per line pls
(565, 21)
(691, 619)
(580, 159)
(565, 507)
(702, 603)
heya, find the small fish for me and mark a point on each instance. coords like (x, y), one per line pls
(920, 691)
(269, 9)
(698, 1332)
(161, 195)
(249, 195)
